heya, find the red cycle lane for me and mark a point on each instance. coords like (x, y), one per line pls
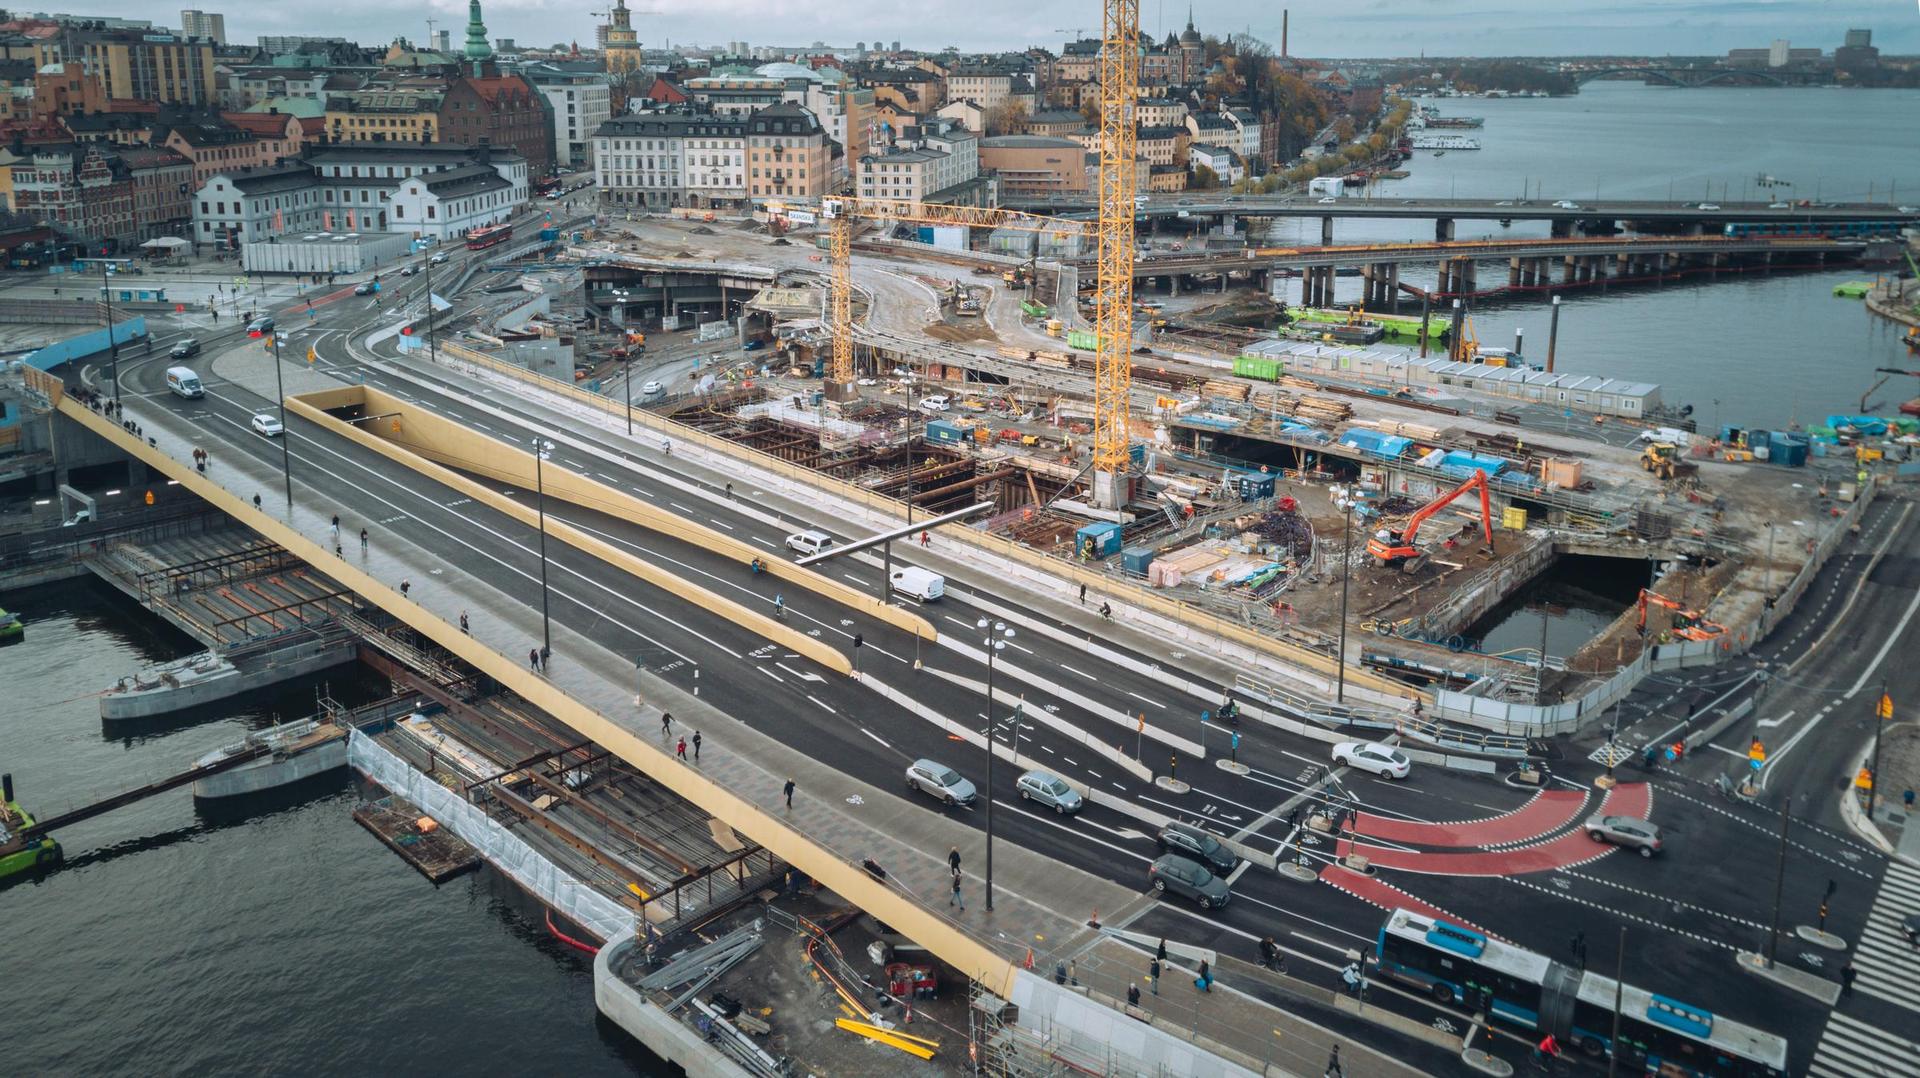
(1568, 850)
(1546, 812)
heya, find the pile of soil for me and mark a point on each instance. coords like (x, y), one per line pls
(948, 331)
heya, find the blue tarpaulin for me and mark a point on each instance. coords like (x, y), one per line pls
(1380, 445)
(1463, 464)
(1865, 424)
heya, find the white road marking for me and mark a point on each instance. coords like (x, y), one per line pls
(829, 708)
(1144, 700)
(1082, 673)
(863, 730)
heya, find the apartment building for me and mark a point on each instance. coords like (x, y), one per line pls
(787, 154)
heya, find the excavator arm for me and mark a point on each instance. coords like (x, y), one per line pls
(1486, 508)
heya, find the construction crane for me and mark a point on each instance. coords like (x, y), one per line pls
(1687, 624)
(843, 214)
(1113, 295)
(1397, 548)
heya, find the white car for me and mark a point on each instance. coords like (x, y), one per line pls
(934, 404)
(651, 388)
(267, 425)
(1779, 205)
(1709, 205)
(1566, 204)
(1907, 209)
(438, 259)
(1328, 200)
(1384, 760)
(869, 381)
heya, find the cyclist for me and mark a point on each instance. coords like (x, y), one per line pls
(756, 566)
(1106, 611)
(1547, 1051)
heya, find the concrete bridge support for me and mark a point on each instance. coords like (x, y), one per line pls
(1326, 231)
(1569, 269)
(1443, 230)
(1562, 229)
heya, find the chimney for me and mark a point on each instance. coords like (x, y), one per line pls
(1283, 32)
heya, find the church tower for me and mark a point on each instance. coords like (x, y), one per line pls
(622, 44)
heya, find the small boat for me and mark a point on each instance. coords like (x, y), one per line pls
(297, 750)
(1911, 407)
(11, 628)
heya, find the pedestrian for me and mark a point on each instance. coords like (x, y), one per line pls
(1133, 995)
(1160, 952)
(256, 501)
(954, 898)
(1333, 1065)
(666, 724)
(696, 746)
(1267, 951)
(788, 791)
(729, 491)
(926, 539)
(546, 657)
(336, 550)
(953, 860)
(1846, 979)
(1153, 975)
(1293, 818)
(681, 750)
(363, 541)
(1083, 594)
(792, 884)
(533, 659)
(1578, 946)
(1059, 969)
(1106, 611)
(333, 533)
(463, 624)
(1350, 978)
(406, 585)
(1204, 982)
(1907, 799)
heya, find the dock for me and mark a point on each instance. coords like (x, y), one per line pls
(438, 853)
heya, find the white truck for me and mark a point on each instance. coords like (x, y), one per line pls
(918, 583)
(1324, 185)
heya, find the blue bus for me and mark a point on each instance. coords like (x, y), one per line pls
(1658, 1034)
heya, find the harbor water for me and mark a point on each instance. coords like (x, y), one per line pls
(276, 937)
(1761, 350)
(265, 935)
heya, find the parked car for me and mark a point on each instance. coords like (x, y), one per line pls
(266, 425)
(809, 542)
(1195, 844)
(934, 404)
(1383, 760)
(939, 781)
(1631, 832)
(1189, 878)
(1050, 791)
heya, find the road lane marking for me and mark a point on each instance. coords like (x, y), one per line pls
(864, 730)
(829, 708)
(1144, 700)
(771, 674)
(1082, 673)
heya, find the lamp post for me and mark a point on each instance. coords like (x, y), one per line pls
(113, 345)
(542, 447)
(433, 348)
(996, 640)
(1346, 572)
(286, 452)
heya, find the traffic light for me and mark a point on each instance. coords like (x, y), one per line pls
(1885, 708)
(858, 639)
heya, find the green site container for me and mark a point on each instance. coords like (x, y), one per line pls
(1034, 310)
(1262, 367)
(1080, 338)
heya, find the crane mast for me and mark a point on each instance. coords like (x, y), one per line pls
(1113, 298)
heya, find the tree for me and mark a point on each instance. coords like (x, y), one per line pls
(1204, 178)
(1007, 118)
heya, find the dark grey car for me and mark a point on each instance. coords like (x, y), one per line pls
(1185, 876)
(1191, 842)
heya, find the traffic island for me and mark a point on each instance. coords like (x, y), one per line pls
(1171, 784)
(1820, 937)
(1807, 984)
(1233, 766)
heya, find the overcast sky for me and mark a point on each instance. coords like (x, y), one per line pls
(1320, 27)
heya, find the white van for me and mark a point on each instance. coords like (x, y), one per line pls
(185, 383)
(919, 583)
(808, 543)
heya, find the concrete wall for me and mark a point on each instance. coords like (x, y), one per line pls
(667, 1037)
(86, 344)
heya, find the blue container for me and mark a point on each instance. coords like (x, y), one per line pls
(1787, 450)
(944, 433)
(1097, 540)
(1135, 559)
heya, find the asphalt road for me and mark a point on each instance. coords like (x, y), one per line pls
(1685, 914)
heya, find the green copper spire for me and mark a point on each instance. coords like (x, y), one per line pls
(477, 47)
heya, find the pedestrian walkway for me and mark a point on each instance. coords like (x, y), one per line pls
(1888, 967)
(1853, 1049)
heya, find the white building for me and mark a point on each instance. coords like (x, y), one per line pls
(1224, 162)
(452, 202)
(1246, 123)
(671, 158)
(929, 163)
(251, 205)
(581, 102)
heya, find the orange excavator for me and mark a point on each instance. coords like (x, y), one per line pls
(1687, 624)
(1397, 548)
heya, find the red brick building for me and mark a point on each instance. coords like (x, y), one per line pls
(81, 190)
(504, 110)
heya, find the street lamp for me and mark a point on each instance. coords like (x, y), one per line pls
(113, 345)
(1346, 572)
(286, 453)
(542, 447)
(996, 641)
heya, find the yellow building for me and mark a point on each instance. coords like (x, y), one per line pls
(405, 111)
(143, 67)
(622, 47)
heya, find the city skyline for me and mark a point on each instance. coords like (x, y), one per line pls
(1376, 28)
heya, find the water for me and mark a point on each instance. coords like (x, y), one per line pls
(1574, 600)
(1770, 350)
(272, 937)
(281, 938)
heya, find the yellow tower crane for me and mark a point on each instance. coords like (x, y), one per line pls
(1113, 298)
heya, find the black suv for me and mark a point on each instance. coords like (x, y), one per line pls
(1189, 841)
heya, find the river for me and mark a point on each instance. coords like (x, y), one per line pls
(282, 939)
(1754, 350)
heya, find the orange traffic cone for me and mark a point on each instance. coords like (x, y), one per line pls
(1029, 961)
(1094, 921)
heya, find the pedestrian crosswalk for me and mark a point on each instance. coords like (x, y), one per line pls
(1887, 967)
(1853, 1049)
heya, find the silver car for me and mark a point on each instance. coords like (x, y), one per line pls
(1050, 791)
(1631, 832)
(940, 781)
